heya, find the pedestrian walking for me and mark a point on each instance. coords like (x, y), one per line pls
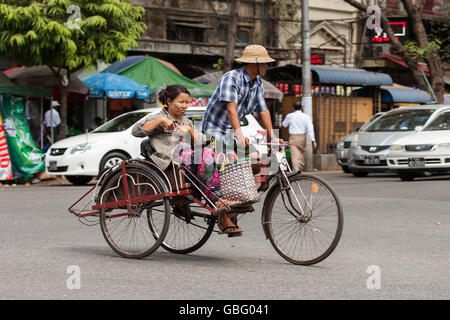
(52, 120)
(300, 125)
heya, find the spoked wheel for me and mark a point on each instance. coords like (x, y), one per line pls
(126, 229)
(304, 220)
(190, 226)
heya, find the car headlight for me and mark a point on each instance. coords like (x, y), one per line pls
(354, 143)
(80, 148)
(340, 145)
(443, 146)
(397, 147)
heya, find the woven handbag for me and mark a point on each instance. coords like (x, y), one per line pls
(236, 179)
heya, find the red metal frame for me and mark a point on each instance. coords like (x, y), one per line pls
(129, 201)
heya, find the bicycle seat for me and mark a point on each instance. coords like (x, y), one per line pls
(146, 148)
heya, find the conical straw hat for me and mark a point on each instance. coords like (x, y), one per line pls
(254, 53)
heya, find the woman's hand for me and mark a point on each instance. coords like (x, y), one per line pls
(167, 124)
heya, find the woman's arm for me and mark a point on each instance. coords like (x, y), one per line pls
(143, 129)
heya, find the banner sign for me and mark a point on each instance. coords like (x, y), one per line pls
(26, 157)
(5, 161)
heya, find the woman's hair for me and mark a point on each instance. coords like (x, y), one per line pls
(171, 92)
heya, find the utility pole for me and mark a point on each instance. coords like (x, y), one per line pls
(231, 35)
(306, 80)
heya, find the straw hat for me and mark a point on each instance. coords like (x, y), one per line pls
(255, 53)
(55, 104)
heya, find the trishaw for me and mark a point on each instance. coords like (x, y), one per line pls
(139, 210)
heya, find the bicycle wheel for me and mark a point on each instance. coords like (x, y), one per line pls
(304, 220)
(126, 230)
(190, 227)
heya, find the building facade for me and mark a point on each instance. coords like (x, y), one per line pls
(193, 33)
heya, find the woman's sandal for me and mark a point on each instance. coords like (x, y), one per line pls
(231, 230)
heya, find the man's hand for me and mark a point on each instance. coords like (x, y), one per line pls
(242, 141)
(315, 145)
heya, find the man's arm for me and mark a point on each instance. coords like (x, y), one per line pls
(267, 122)
(310, 132)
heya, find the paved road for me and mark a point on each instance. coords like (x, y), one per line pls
(399, 229)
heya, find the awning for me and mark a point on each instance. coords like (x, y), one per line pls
(328, 75)
(390, 94)
(400, 61)
(407, 95)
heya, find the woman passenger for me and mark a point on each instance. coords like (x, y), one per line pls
(166, 130)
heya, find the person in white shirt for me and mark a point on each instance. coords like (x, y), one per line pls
(52, 120)
(300, 125)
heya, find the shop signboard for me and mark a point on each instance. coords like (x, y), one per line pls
(26, 158)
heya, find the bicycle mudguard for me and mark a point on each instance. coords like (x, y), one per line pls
(132, 163)
(264, 220)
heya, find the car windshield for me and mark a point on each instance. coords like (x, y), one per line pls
(401, 120)
(441, 122)
(121, 123)
(371, 120)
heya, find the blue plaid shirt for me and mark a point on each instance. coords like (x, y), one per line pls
(234, 86)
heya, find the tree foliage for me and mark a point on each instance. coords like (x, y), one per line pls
(421, 53)
(68, 34)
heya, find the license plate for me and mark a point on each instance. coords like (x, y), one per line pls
(52, 166)
(372, 160)
(416, 162)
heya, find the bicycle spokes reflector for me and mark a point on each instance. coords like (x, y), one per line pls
(315, 188)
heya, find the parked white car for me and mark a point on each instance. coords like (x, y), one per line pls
(368, 150)
(424, 151)
(82, 157)
(344, 143)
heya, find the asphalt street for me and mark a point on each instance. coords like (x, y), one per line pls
(397, 231)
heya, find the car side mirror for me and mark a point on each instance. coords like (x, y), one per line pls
(418, 128)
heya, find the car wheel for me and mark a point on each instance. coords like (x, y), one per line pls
(79, 180)
(111, 159)
(407, 176)
(360, 174)
(346, 169)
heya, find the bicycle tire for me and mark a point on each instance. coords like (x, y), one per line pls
(277, 230)
(141, 182)
(185, 235)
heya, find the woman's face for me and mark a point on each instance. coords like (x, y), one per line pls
(179, 105)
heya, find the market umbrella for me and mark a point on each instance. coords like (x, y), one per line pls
(121, 64)
(156, 75)
(43, 76)
(114, 86)
(270, 91)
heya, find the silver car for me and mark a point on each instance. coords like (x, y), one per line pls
(344, 144)
(369, 148)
